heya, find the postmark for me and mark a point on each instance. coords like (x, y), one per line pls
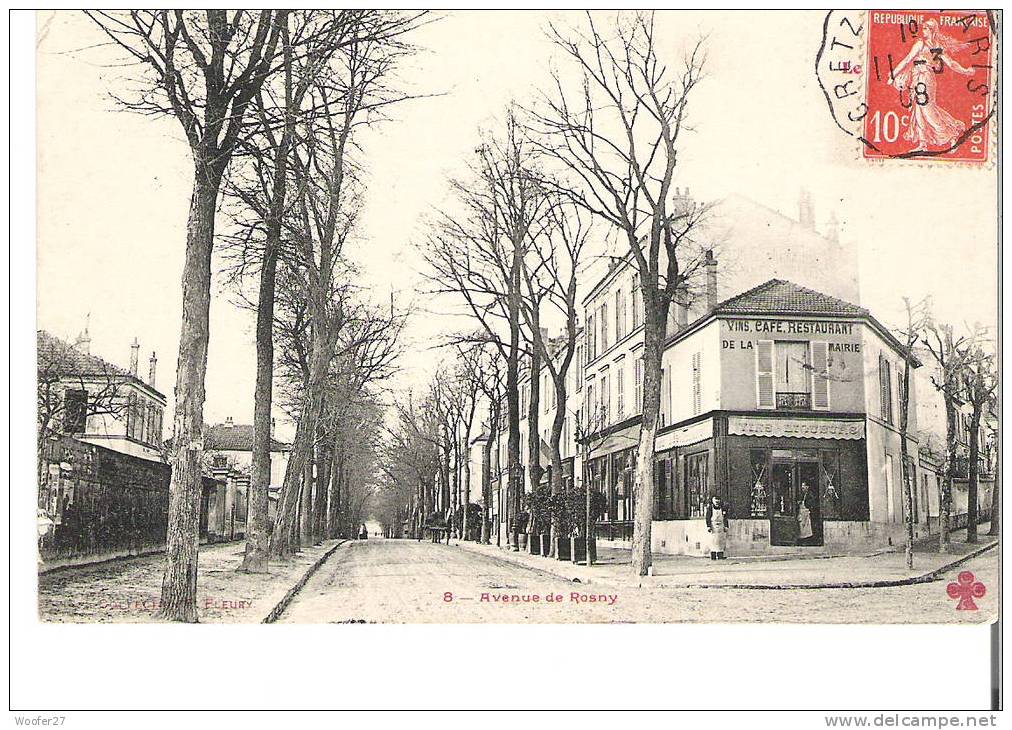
(915, 85)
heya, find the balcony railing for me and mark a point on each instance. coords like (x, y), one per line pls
(795, 401)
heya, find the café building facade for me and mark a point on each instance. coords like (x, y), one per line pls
(781, 400)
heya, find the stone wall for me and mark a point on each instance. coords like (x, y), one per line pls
(104, 503)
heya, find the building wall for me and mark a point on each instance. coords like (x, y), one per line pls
(104, 503)
(135, 430)
(739, 343)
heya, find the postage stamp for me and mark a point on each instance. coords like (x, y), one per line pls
(912, 84)
(929, 85)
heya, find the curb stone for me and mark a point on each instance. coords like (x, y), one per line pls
(890, 583)
(536, 569)
(279, 609)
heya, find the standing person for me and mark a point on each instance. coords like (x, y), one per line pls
(716, 525)
(804, 514)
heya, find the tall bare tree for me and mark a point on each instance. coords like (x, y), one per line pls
(204, 68)
(950, 354)
(615, 131)
(980, 382)
(478, 255)
(910, 335)
(551, 273)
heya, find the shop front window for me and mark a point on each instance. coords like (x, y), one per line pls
(832, 496)
(696, 475)
(759, 490)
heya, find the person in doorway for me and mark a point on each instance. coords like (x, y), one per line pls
(804, 513)
(717, 524)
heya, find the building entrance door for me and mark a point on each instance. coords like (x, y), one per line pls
(795, 517)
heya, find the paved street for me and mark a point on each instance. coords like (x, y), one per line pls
(402, 581)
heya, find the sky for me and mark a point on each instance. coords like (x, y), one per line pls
(114, 187)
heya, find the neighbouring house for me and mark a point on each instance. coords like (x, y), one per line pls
(97, 402)
(228, 450)
(931, 456)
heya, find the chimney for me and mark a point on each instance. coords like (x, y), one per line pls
(711, 281)
(152, 364)
(83, 341)
(833, 228)
(135, 352)
(806, 212)
(228, 422)
(682, 306)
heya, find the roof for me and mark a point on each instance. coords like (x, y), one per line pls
(60, 358)
(778, 296)
(235, 437)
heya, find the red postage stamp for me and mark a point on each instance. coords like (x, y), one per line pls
(930, 81)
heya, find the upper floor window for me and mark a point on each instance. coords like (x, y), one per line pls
(635, 297)
(75, 411)
(604, 327)
(605, 400)
(885, 382)
(792, 375)
(638, 368)
(579, 368)
(591, 337)
(619, 314)
(620, 393)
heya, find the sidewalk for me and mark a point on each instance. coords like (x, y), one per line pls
(874, 570)
(127, 591)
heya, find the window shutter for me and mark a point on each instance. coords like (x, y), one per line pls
(820, 377)
(765, 395)
(697, 385)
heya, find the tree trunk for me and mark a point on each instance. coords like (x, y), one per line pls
(655, 315)
(321, 493)
(945, 490)
(306, 506)
(996, 493)
(179, 585)
(486, 490)
(336, 471)
(559, 383)
(973, 487)
(258, 528)
(908, 489)
(285, 536)
(534, 470)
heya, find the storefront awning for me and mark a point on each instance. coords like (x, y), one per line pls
(685, 436)
(627, 438)
(807, 428)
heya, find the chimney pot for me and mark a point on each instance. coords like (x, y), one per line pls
(228, 421)
(135, 351)
(711, 281)
(152, 366)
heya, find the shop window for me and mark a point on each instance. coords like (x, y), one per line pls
(696, 477)
(759, 489)
(664, 491)
(832, 494)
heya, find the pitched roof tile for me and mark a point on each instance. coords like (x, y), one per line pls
(778, 296)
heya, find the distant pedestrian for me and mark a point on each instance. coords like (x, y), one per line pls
(717, 524)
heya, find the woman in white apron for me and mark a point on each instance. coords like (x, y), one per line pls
(804, 514)
(716, 525)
